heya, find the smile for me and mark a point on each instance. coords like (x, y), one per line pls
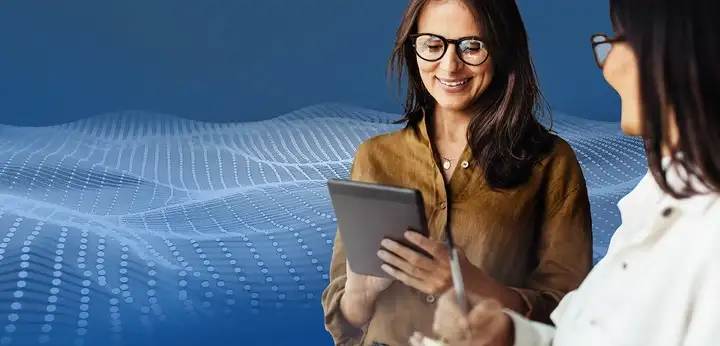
(453, 82)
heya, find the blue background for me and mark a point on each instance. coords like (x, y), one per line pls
(234, 60)
(163, 163)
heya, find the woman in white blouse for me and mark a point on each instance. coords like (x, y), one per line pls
(659, 283)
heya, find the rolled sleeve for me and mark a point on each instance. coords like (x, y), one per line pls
(529, 333)
(342, 332)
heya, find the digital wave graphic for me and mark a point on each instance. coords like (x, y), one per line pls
(137, 228)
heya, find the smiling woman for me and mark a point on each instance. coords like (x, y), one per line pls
(452, 85)
(474, 148)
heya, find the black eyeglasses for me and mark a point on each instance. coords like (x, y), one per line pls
(602, 45)
(430, 47)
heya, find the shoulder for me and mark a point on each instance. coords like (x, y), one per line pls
(382, 141)
(395, 142)
(562, 155)
(560, 178)
(708, 219)
(380, 150)
(561, 165)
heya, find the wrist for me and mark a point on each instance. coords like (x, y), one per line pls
(361, 297)
(508, 336)
(509, 298)
(357, 307)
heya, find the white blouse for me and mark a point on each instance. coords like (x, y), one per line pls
(658, 285)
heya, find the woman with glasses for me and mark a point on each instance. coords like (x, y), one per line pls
(659, 283)
(514, 193)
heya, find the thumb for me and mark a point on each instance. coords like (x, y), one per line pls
(475, 299)
(482, 314)
(485, 320)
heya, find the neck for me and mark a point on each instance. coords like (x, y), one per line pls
(665, 151)
(450, 126)
(673, 138)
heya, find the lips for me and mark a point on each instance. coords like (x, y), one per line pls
(454, 82)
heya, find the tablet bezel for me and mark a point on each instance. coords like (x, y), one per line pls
(361, 244)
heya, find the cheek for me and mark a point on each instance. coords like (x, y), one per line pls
(614, 76)
(622, 75)
(427, 72)
(486, 72)
(620, 72)
(426, 67)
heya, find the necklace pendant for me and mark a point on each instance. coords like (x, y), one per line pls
(446, 164)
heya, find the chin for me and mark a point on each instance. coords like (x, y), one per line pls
(452, 105)
(630, 123)
(453, 102)
(631, 128)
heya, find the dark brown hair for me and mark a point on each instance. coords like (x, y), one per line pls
(677, 44)
(505, 136)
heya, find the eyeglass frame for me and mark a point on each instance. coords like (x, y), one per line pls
(412, 39)
(606, 39)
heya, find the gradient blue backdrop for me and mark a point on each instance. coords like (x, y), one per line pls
(115, 225)
(229, 60)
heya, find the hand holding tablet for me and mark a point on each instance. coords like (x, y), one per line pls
(367, 286)
(385, 235)
(369, 214)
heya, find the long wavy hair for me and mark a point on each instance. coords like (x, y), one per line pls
(505, 135)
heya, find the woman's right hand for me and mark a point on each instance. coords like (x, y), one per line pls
(361, 291)
(369, 286)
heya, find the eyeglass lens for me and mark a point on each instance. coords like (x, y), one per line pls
(601, 48)
(432, 48)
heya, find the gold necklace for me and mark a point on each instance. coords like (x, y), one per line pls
(447, 163)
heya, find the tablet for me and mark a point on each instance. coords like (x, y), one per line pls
(367, 213)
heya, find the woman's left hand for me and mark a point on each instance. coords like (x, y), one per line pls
(430, 275)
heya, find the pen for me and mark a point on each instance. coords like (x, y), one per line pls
(457, 278)
(455, 271)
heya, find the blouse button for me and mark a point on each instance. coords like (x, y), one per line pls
(430, 298)
(667, 211)
(464, 164)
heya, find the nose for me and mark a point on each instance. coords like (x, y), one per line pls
(451, 62)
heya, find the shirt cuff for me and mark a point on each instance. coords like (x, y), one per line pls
(529, 333)
(342, 332)
(524, 296)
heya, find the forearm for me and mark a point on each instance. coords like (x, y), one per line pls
(505, 295)
(357, 308)
(343, 315)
